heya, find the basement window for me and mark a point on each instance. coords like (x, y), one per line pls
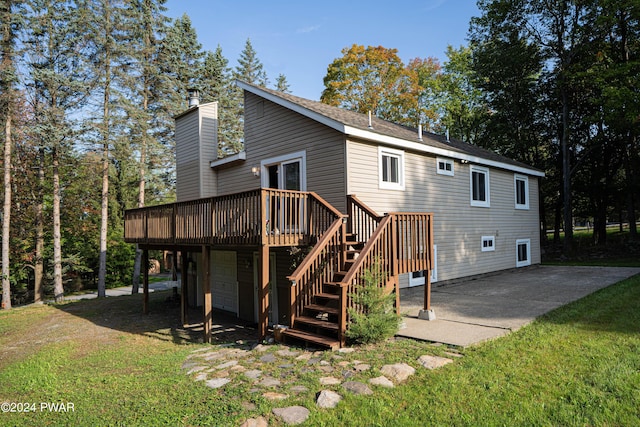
(488, 243)
(523, 252)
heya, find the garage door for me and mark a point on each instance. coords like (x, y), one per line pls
(224, 277)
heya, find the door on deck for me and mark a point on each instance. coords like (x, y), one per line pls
(224, 281)
(284, 173)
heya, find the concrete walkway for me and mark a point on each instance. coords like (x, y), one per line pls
(125, 290)
(482, 308)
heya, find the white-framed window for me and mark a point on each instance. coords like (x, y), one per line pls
(391, 168)
(479, 183)
(523, 252)
(417, 277)
(488, 243)
(444, 166)
(521, 185)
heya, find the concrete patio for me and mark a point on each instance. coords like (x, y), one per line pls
(469, 311)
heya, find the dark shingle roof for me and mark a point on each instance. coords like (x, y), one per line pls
(384, 128)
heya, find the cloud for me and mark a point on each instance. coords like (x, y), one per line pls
(434, 4)
(308, 29)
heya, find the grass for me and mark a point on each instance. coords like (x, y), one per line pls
(578, 365)
(618, 251)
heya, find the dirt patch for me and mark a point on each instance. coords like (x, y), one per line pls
(90, 323)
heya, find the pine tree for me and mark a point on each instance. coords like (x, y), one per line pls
(109, 41)
(216, 85)
(58, 82)
(147, 25)
(8, 80)
(282, 85)
(249, 68)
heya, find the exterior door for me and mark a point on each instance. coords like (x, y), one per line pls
(224, 281)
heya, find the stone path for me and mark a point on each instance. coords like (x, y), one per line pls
(279, 373)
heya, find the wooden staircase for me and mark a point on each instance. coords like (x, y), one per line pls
(319, 324)
(395, 243)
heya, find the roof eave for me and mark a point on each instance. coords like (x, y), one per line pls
(383, 139)
(417, 146)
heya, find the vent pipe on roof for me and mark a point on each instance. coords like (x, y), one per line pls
(420, 131)
(370, 127)
(193, 97)
(447, 135)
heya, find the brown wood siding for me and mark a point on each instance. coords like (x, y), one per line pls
(208, 148)
(187, 152)
(196, 147)
(458, 227)
(279, 131)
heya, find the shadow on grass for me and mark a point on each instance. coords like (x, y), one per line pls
(124, 313)
(613, 309)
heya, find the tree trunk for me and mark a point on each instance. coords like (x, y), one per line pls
(6, 218)
(567, 210)
(102, 270)
(58, 289)
(632, 188)
(104, 223)
(141, 190)
(39, 260)
(7, 93)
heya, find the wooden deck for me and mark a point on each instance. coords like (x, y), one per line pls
(259, 217)
(345, 249)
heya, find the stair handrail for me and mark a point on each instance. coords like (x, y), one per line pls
(385, 225)
(329, 248)
(362, 219)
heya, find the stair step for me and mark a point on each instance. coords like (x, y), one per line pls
(312, 321)
(333, 285)
(332, 297)
(351, 253)
(315, 339)
(322, 309)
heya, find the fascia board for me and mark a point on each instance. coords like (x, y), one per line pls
(242, 155)
(416, 146)
(340, 127)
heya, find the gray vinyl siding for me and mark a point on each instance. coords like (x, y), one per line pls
(278, 131)
(458, 227)
(196, 147)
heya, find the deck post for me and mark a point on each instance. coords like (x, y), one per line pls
(427, 313)
(206, 289)
(263, 291)
(145, 281)
(183, 287)
(174, 266)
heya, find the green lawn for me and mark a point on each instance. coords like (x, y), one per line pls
(579, 365)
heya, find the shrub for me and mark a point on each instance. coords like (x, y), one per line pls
(376, 320)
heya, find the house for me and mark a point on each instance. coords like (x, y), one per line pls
(281, 232)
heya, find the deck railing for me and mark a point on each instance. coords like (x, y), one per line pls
(265, 216)
(401, 243)
(362, 220)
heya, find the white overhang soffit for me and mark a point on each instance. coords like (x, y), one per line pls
(385, 139)
(240, 156)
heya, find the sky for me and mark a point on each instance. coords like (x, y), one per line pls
(300, 38)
